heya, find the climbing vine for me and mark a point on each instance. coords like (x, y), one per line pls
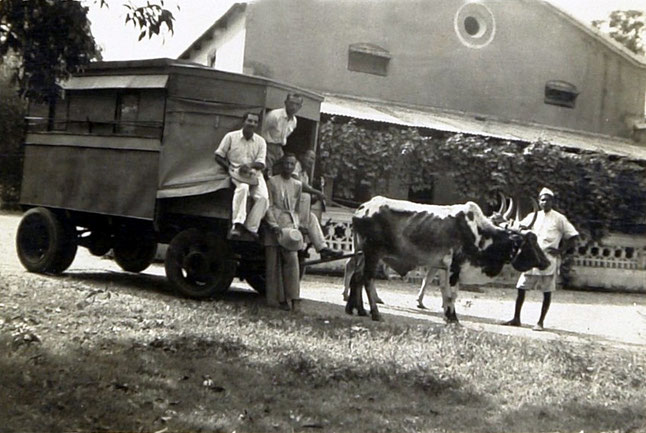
(598, 193)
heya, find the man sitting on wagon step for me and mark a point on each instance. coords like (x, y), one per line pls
(243, 154)
(309, 222)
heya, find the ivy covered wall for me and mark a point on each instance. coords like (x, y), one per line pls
(599, 193)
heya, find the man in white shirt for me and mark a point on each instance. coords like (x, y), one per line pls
(550, 228)
(277, 126)
(242, 153)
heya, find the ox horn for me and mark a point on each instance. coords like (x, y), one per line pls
(535, 208)
(503, 203)
(510, 209)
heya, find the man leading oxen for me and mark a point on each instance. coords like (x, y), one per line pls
(457, 238)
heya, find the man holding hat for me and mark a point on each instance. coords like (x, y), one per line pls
(551, 227)
(285, 240)
(242, 153)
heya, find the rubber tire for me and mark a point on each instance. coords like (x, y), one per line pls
(218, 256)
(135, 253)
(100, 243)
(45, 243)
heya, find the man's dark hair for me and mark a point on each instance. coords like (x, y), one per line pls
(288, 155)
(294, 96)
(248, 113)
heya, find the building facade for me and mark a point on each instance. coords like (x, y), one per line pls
(523, 61)
(512, 69)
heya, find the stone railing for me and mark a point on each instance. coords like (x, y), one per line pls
(617, 263)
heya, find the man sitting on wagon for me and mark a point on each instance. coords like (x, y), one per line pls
(309, 222)
(242, 153)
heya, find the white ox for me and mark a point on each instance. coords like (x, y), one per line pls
(459, 239)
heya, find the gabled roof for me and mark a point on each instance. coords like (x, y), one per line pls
(597, 34)
(473, 124)
(220, 23)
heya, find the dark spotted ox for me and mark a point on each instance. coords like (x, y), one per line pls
(457, 238)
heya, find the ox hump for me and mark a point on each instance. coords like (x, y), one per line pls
(479, 225)
(378, 204)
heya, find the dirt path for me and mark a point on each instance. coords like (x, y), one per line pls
(616, 319)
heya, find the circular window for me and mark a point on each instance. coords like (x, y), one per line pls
(474, 25)
(471, 25)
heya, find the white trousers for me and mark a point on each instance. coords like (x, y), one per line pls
(260, 197)
(311, 222)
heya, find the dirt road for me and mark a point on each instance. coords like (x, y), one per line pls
(617, 319)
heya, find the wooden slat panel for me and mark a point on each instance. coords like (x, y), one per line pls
(104, 181)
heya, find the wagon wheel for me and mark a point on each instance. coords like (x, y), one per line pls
(134, 253)
(199, 264)
(99, 243)
(45, 242)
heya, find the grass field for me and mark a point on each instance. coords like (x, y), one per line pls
(77, 358)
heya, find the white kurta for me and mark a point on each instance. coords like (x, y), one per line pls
(549, 228)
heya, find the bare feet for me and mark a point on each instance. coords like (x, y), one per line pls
(512, 322)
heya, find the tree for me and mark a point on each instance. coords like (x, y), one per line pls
(626, 27)
(32, 30)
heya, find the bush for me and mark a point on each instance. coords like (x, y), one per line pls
(12, 113)
(597, 192)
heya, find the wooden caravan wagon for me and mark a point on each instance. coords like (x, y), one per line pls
(124, 161)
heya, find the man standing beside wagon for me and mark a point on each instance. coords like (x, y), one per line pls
(277, 126)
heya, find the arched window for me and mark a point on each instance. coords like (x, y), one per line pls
(368, 58)
(561, 93)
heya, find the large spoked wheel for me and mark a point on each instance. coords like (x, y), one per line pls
(199, 264)
(134, 253)
(45, 242)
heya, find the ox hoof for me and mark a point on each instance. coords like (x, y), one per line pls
(451, 317)
(348, 309)
(362, 312)
(376, 317)
(379, 301)
(421, 306)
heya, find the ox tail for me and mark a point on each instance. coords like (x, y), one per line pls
(358, 265)
(354, 277)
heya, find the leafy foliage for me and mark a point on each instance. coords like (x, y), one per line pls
(12, 112)
(31, 29)
(626, 27)
(597, 192)
(149, 18)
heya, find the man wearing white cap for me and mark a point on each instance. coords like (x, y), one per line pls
(550, 228)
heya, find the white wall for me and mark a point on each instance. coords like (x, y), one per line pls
(229, 44)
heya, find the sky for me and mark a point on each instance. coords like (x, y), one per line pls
(119, 42)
